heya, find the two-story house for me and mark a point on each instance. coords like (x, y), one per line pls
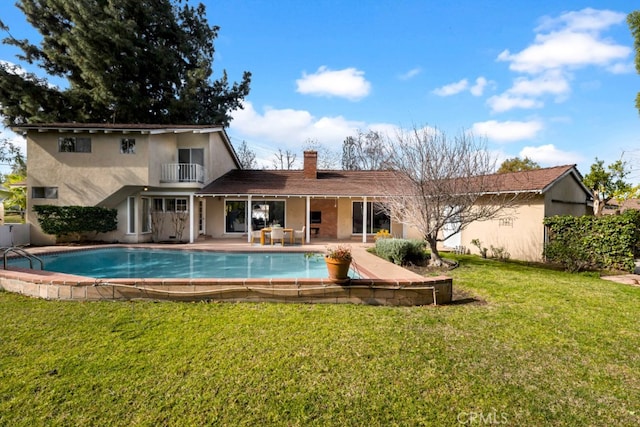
(136, 169)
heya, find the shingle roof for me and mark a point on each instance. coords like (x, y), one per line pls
(365, 183)
(293, 183)
(536, 180)
(114, 127)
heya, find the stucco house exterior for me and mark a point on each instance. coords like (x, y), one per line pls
(537, 194)
(152, 172)
(135, 169)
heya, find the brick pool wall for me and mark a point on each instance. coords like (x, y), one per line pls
(56, 286)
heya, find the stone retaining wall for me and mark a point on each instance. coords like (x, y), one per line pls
(55, 286)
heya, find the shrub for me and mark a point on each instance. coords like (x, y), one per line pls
(75, 220)
(477, 243)
(401, 251)
(607, 242)
(382, 234)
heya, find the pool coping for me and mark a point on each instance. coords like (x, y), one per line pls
(396, 287)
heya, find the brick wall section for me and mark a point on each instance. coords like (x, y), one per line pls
(328, 228)
(360, 291)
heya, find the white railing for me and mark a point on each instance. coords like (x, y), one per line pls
(182, 172)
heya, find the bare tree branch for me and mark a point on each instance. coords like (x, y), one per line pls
(442, 181)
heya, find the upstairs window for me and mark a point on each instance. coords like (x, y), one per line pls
(128, 146)
(72, 144)
(44, 192)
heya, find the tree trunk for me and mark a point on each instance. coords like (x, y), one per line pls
(436, 259)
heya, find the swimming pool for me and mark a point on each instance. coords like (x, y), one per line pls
(128, 263)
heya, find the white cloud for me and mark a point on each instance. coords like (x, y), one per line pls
(587, 19)
(573, 40)
(478, 88)
(452, 88)
(348, 83)
(526, 92)
(621, 68)
(410, 74)
(507, 131)
(552, 82)
(463, 85)
(506, 102)
(549, 155)
(289, 129)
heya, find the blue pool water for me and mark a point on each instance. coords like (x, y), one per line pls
(161, 263)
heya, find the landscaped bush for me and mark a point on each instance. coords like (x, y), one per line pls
(401, 251)
(75, 220)
(607, 242)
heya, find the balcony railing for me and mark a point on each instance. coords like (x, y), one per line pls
(182, 172)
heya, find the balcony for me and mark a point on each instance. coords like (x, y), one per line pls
(182, 172)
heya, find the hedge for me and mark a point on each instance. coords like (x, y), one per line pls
(605, 242)
(66, 220)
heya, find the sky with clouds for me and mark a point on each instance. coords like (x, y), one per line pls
(553, 81)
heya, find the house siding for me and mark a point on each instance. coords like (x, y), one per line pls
(106, 177)
(519, 231)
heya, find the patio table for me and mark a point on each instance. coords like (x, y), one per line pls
(268, 229)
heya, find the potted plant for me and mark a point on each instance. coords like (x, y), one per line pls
(338, 260)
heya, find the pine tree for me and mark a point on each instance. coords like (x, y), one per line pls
(126, 61)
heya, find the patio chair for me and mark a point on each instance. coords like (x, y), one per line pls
(300, 234)
(277, 233)
(255, 234)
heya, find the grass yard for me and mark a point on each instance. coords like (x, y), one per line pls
(541, 348)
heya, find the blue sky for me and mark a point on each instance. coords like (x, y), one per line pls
(550, 80)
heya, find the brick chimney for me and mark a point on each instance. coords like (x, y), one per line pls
(310, 165)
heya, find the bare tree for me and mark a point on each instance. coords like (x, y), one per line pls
(284, 160)
(179, 221)
(365, 151)
(442, 182)
(157, 224)
(327, 158)
(246, 156)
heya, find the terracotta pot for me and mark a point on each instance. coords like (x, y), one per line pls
(338, 269)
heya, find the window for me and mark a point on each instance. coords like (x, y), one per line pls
(131, 215)
(158, 205)
(505, 222)
(146, 215)
(71, 144)
(265, 213)
(128, 146)
(377, 218)
(235, 216)
(181, 205)
(170, 205)
(44, 192)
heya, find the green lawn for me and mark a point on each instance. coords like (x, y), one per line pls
(541, 348)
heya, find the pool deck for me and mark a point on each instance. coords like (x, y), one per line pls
(381, 282)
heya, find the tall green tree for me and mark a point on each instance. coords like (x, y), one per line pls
(133, 61)
(607, 183)
(633, 19)
(516, 164)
